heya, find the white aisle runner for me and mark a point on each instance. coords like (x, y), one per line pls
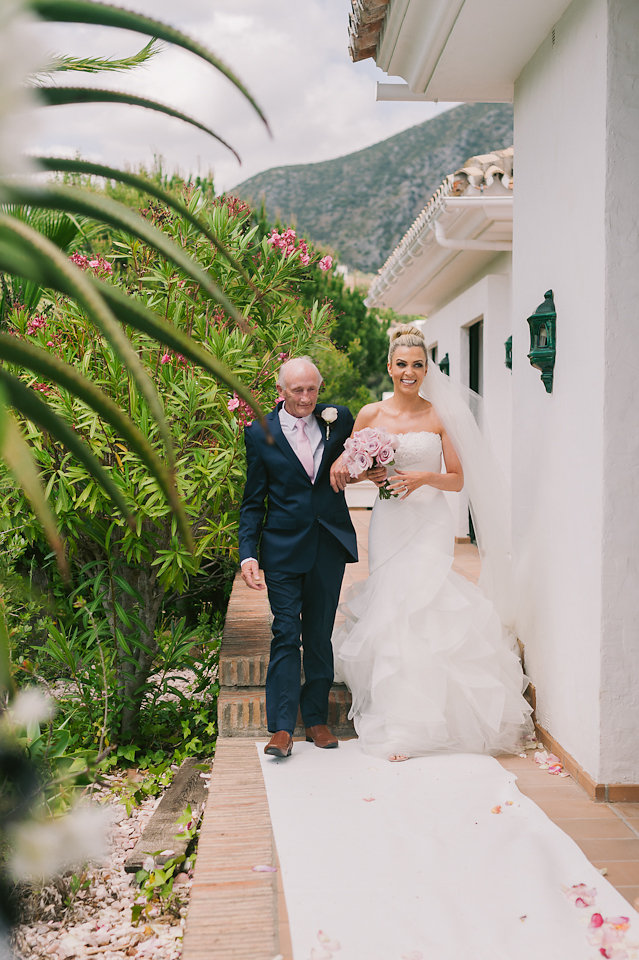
(406, 861)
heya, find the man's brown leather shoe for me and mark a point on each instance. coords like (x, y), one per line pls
(321, 736)
(280, 744)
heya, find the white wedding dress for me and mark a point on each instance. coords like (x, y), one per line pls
(430, 667)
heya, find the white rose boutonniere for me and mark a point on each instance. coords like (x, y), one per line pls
(329, 416)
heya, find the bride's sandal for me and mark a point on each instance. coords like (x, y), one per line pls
(398, 757)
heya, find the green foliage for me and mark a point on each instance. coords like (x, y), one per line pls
(354, 363)
(156, 882)
(109, 638)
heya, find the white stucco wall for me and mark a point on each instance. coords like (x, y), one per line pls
(488, 299)
(620, 548)
(558, 445)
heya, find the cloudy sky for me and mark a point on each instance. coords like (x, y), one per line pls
(291, 54)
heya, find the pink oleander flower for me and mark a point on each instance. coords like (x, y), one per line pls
(325, 263)
(101, 266)
(80, 260)
(581, 895)
(282, 357)
(165, 358)
(233, 403)
(42, 387)
(35, 324)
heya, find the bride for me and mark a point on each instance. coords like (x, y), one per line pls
(431, 664)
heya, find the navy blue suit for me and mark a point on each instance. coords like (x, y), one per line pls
(302, 534)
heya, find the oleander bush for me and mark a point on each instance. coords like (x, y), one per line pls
(123, 575)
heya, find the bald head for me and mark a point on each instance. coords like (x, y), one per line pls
(295, 367)
(298, 384)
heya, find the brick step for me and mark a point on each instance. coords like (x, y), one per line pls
(241, 712)
(243, 671)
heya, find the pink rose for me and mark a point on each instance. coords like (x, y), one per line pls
(359, 463)
(385, 455)
(370, 440)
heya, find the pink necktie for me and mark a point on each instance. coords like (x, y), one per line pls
(304, 452)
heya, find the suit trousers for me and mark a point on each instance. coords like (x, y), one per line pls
(303, 607)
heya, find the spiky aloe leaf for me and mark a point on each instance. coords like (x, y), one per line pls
(53, 263)
(65, 376)
(90, 168)
(59, 96)
(29, 404)
(71, 200)
(15, 452)
(109, 15)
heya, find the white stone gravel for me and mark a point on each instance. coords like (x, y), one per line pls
(98, 921)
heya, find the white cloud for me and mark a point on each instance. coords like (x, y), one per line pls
(293, 58)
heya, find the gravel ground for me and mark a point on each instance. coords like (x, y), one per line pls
(97, 921)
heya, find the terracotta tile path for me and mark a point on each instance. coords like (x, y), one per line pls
(238, 913)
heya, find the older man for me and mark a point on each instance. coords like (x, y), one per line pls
(294, 517)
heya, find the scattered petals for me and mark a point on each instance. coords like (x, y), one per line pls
(264, 868)
(523, 917)
(581, 895)
(496, 809)
(368, 799)
(326, 941)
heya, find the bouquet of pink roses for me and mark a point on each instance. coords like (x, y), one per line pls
(370, 448)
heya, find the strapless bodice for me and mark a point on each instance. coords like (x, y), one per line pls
(418, 450)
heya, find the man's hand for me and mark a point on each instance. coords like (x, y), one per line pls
(339, 476)
(377, 475)
(251, 575)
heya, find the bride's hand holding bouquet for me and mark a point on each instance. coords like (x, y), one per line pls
(370, 452)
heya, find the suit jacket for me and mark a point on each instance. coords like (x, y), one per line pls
(282, 509)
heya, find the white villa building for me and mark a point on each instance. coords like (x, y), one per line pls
(571, 70)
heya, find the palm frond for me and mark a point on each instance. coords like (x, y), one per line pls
(31, 357)
(30, 406)
(15, 452)
(62, 64)
(52, 263)
(71, 200)
(61, 96)
(109, 15)
(90, 168)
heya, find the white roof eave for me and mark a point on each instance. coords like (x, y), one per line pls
(459, 232)
(470, 50)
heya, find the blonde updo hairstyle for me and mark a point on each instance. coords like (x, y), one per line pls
(406, 336)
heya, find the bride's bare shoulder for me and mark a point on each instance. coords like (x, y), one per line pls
(368, 415)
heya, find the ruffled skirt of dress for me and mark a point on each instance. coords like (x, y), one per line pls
(428, 663)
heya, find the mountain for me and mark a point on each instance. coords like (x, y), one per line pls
(361, 205)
